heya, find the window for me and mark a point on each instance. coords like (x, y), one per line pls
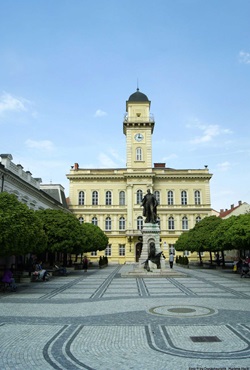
(138, 196)
(81, 220)
(186, 253)
(138, 154)
(157, 196)
(139, 223)
(171, 223)
(184, 223)
(184, 198)
(108, 198)
(108, 223)
(197, 197)
(108, 250)
(198, 219)
(122, 198)
(94, 221)
(122, 223)
(170, 198)
(94, 253)
(121, 249)
(81, 198)
(94, 198)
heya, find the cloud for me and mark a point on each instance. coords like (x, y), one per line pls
(10, 103)
(100, 113)
(41, 145)
(224, 166)
(106, 161)
(209, 132)
(244, 57)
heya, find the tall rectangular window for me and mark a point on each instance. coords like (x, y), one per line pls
(108, 250)
(121, 249)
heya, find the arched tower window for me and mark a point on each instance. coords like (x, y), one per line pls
(138, 154)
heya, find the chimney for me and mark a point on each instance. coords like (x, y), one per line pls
(232, 206)
(240, 202)
(159, 165)
(76, 166)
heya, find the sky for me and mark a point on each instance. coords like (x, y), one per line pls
(67, 68)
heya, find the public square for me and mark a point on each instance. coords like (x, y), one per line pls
(198, 319)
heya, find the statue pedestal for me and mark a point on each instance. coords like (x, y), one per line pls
(150, 233)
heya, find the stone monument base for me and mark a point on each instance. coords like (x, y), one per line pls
(154, 273)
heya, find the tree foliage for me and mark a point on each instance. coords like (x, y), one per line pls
(94, 238)
(63, 230)
(214, 234)
(21, 229)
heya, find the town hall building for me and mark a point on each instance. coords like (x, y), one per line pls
(111, 198)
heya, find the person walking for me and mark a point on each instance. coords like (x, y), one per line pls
(171, 260)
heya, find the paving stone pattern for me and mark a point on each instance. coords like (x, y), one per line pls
(101, 320)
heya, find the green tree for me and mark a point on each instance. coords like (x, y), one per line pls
(63, 230)
(21, 230)
(94, 238)
(198, 238)
(232, 233)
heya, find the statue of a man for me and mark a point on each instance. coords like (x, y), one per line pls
(149, 203)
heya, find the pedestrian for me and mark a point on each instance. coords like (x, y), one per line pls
(9, 279)
(171, 260)
(85, 263)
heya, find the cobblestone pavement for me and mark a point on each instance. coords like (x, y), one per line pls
(101, 320)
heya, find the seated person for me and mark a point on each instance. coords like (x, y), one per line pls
(43, 274)
(8, 279)
(62, 270)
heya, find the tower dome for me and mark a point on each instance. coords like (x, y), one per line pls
(138, 97)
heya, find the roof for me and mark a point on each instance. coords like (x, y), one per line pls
(138, 97)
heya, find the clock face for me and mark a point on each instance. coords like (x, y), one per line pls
(138, 137)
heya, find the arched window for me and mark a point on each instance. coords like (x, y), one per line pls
(108, 198)
(81, 198)
(138, 154)
(157, 196)
(139, 223)
(170, 198)
(184, 223)
(94, 198)
(81, 220)
(94, 221)
(197, 197)
(198, 219)
(122, 198)
(108, 223)
(138, 196)
(184, 198)
(122, 223)
(171, 223)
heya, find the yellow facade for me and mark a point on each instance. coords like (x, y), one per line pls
(111, 198)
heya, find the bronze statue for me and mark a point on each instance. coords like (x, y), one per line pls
(153, 257)
(149, 203)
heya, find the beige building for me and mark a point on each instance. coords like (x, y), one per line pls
(111, 198)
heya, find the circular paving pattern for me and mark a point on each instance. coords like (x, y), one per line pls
(182, 311)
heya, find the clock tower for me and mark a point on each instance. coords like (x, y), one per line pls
(138, 126)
